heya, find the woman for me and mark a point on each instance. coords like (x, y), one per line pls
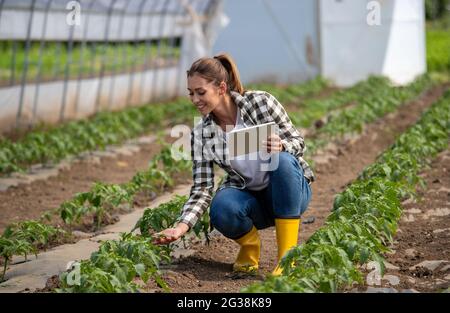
(249, 199)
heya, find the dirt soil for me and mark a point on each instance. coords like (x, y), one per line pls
(423, 235)
(209, 268)
(29, 201)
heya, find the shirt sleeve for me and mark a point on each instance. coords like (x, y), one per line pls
(291, 139)
(203, 183)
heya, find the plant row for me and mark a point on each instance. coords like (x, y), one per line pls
(166, 215)
(292, 93)
(365, 216)
(117, 263)
(103, 199)
(370, 106)
(27, 237)
(73, 138)
(310, 110)
(107, 128)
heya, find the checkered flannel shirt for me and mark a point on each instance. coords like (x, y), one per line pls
(208, 147)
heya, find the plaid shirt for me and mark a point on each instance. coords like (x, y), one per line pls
(208, 147)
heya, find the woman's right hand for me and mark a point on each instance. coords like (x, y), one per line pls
(170, 234)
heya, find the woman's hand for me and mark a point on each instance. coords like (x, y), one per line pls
(170, 234)
(273, 144)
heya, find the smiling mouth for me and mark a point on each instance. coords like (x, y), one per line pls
(201, 106)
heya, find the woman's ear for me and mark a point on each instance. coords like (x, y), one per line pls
(222, 88)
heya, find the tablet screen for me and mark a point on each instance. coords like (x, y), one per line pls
(248, 140)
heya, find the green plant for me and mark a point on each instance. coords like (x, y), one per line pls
(292, 93)
(370, 106)
(104, 198)
(92, 279)
(24, 238)
(14, 246)
(161, 217)
(364, 217)
(115, 265)
(139, 250)
(72, 138)
(438, 45)
(166, 215)
(311, 110)
(435, 9)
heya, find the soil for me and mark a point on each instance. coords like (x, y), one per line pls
(424, 234)
(210, 268)
(29, 201)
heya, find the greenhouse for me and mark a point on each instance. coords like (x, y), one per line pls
(199, 153)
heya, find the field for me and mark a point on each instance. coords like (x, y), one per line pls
(96, 191)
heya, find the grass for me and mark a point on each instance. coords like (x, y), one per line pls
(84, 60)
(438, 45)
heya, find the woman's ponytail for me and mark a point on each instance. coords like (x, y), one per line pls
(234, 79)
(218, 69)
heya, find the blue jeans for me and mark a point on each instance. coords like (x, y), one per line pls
(234, 211)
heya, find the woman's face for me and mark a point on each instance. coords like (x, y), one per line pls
(203, 94)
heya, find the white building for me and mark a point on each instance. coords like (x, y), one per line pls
(343, 40)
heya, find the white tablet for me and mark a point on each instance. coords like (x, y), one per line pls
(248, 140)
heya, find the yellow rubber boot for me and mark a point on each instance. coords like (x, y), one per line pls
(248, 258)
(287, 234)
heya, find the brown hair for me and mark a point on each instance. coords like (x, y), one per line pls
(220, 68)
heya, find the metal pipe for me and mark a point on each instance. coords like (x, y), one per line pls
(25, 68)
(133, 63)
(39, 73)
(67, 73)
(158, 51)
(102, 66)
(80, 63)
(171, 52)
(13, 63)
(148, 53)
(116, 51)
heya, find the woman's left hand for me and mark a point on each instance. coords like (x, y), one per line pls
(273, 144)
